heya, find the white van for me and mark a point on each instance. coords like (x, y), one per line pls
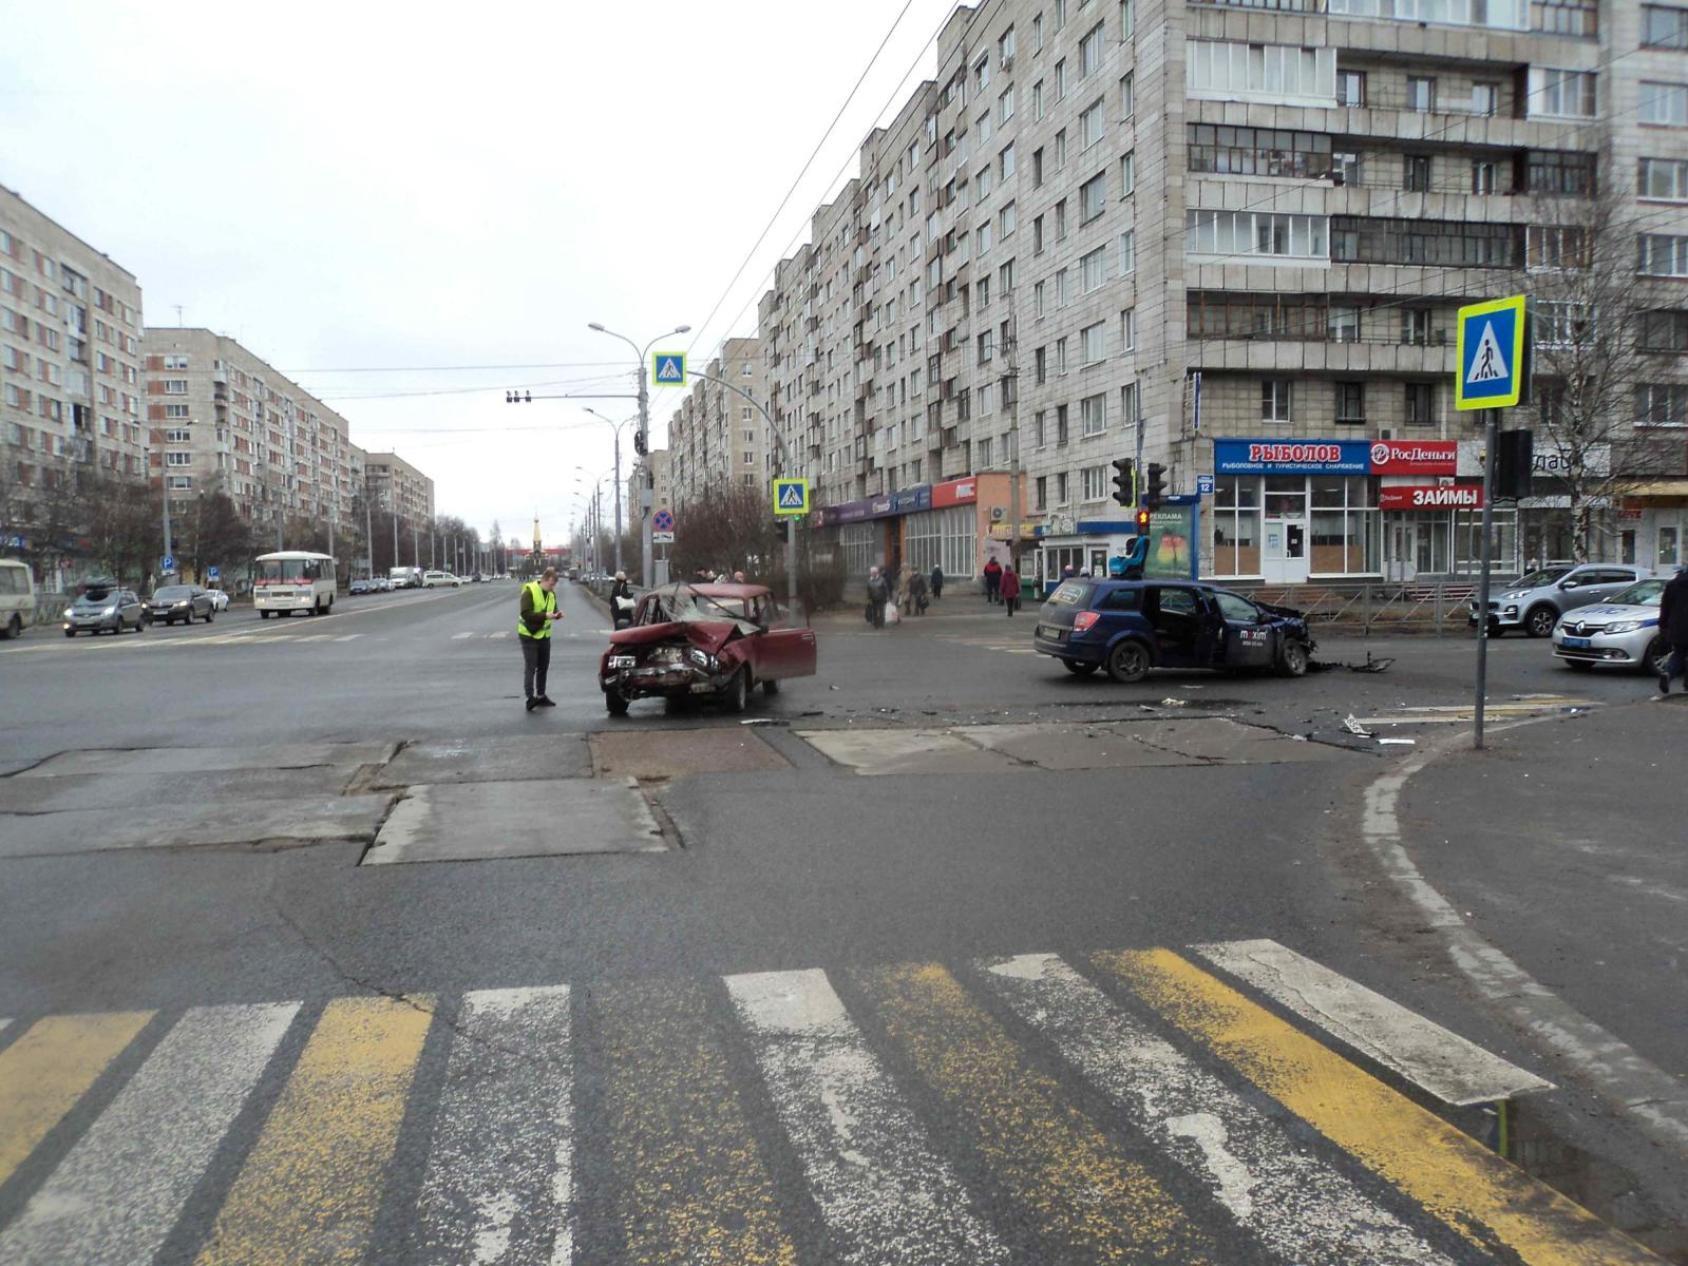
(293, 580)
(17, 597)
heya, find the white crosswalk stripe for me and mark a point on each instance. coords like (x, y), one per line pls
(1444, 1064)
(458, 637)
(498, 1187)
(349, 637)
(884, 1193)
(1296, 1205)
(115, 1196)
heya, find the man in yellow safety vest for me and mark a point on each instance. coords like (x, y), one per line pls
(533, 630)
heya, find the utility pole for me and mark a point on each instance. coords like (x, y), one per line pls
(368, 536)
(646, 572)
(395, 538)
(1011, 384)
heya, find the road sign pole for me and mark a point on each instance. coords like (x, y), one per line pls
(646, 572)
(618, 565)
(1493, 432)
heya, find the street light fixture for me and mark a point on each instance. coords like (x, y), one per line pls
(616, 427)
(644, 434)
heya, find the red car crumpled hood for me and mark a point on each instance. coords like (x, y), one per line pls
(707, 635)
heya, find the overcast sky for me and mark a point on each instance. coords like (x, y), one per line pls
(368, 185)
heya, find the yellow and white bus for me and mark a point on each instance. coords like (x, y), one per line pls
(293, 580)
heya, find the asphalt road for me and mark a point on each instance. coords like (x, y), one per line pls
(693, 1131)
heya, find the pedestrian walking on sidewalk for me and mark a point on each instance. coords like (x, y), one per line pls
(1011, 588)
(533, 629)
(937, 582)
(917, 593)
(993, 580)
(878, 594)
(1673, 628)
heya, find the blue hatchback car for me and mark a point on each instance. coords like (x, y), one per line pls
(1131, 626)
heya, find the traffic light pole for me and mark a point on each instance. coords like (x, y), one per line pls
(1489, 464)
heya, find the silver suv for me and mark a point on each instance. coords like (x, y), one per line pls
(1535, 602)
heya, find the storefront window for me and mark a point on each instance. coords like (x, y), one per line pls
(1468, 542)
(1236, 528)
(942, 538)
(1344, 530)
(862, 544)
(1286, 497)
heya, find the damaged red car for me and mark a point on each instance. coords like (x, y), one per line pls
(715, 642)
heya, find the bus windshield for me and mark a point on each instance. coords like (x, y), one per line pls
(282, 570)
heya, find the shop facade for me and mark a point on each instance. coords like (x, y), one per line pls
(1302, 511)
(946, 525)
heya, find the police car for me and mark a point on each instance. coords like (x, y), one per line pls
(1131, 626)
(1622, 633)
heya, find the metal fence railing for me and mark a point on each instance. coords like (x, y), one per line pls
(1434, 605)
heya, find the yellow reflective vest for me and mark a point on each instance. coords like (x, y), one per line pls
(543, 603)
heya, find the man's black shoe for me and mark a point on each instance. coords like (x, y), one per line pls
(544, 701)
(1664, 683)
(532, 704)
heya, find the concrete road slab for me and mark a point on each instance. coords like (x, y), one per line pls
(878, 752)
(651, 754)
(1223, 741)
(485, 821)
(508, 759)
(1074, 746)
(194, 760)
(276, 823)
(145, 791)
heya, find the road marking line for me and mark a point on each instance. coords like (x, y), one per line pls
(884, 1193)
(458, 637)
(49, 1068)
(317, 637)
(493, 637)
(499, 1182)
(1439, 1062)
(1301, 1208)
(1455, 1178)
(310, 1188)
(115, 1196)
(1089, 1202)
(348, 637)
(691, 1185)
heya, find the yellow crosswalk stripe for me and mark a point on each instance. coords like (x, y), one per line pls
(49, 1068)
(1455, 1178)
(308, 1193)
(1086, 1199)
(690, 1186)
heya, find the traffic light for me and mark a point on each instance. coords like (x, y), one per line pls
(1125, 482)
(1156, 488)
(1142, 523)
(639, 445)
(1514, 462)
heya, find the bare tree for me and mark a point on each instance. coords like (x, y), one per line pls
(1604, 341)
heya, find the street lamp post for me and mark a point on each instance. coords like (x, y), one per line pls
(785, 464)
(644, 440)
(616, 427)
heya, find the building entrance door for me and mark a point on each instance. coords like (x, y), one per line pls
(1669, 548)
(1400, 552)
(1284, 558)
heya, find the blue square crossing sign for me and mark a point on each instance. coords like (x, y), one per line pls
(791, 497)
(1489, 370)
(668, 369)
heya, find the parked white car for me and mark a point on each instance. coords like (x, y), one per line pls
(219, 599)
(1620, 633)
(439, 580)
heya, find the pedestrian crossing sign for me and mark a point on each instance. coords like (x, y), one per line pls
(1489, 369)
(668, 369)
(791, 497)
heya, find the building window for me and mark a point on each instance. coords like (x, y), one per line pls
(1092, 414)
(1420, 404)
(175, 362)
(1664, 104)
(1343, 324)
(1485, 177)
(1007, 221)
(1094, 481)
(1560, 324)
(1561, 174)
(1274, 400)
(1091, 125)
(1665, 331)
(178, 459)
(1451, 243)
(1127, 252)
(1248, 151)
(1661, 404)
(1664, 27)
(1061, 436)
(1351, 89)
(1416, 173)
(1663, 255)
(1663, 178)
(1232, 71)
(1060, 356)
(1351, 404)
(1061, 497)
(1092, 271)
(1567, 94)
(1415, 326)
(1007, 163)
(1256, 233)
(1090, 52)
(1235, 518)
(1040, 493)
(1421, 94)
(1092, 197)
(177, 436)
(1092, 343)
(1127, 95)
(1343, 527)
(175, 386)
(1554, 246)
(1485, 97)
(1128, 330)
(1128, 174)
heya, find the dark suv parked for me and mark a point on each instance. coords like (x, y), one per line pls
(1131, 626)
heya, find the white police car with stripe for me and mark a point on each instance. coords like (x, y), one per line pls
(1623, 633)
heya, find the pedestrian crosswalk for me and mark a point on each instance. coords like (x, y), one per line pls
(1138, 1105)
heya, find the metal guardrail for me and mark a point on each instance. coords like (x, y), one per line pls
(1419, 606)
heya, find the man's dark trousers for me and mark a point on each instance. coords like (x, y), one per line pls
(536, 662)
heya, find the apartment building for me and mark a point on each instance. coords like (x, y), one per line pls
(395, 486)
(716, 437)
(70, 335)
(660, 462)
(221, 419)
(1231, 238)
